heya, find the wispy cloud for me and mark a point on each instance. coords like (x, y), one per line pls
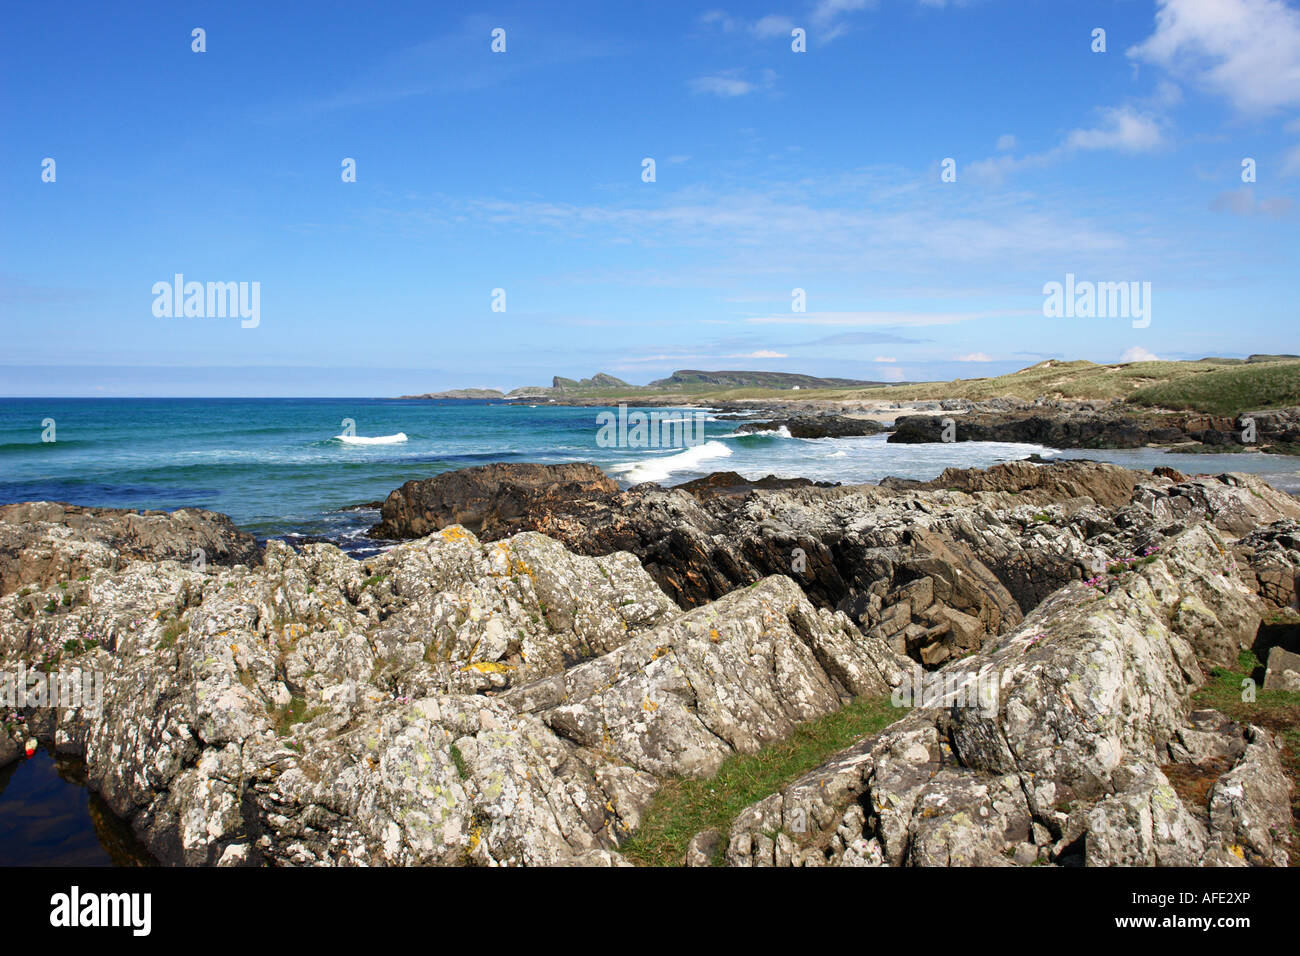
(462, 66)
(895, 319)
(733, 83)
(1242, 202)
(1124, 129)
(1291, 162)
(792, 228)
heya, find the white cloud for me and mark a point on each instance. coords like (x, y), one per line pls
(1247, 51)
(1123, 129)
(761, 354)
(724, 86)
(732, 83)
(1138, 354)
(764, 28)
(974, 357)
(773, 26)
(885, 358)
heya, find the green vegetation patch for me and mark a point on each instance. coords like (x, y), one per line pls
(295, 712)
(1227, 389)
(684, 807)
(172, 631)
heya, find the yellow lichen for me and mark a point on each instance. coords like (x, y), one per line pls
(487, 667)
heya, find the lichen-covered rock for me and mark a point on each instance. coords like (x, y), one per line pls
(1250, 804)
(1057, 757)
(436, 781)
(1144, 823)
(1235, 503)
(519, 702)
(729, 677)
(317, 710)
(42, 542)
(993, 542)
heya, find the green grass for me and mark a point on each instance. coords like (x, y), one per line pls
(1227, 389)
(295, 712)
(684, 807)
(76, 647)
(1223, 693)
(459, 759)
(171, 632)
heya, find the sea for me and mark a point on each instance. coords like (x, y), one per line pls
(315, 468)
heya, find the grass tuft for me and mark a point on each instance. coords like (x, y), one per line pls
(684, 807)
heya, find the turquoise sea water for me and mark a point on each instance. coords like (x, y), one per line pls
(277, 467)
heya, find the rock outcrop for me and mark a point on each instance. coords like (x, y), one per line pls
(1088, 425)
(447, 702)
(935, 568)
(1049, 746)
(729, 677)
(816, 426)
(489, 499)
(44, 541)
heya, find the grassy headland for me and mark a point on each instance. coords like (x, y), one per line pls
(1208, 386)
(1214, 385)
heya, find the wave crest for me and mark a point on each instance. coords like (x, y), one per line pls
(660, 469)
(376, 440)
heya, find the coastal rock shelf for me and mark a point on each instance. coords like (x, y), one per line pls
(1101, 425)
(521, 697)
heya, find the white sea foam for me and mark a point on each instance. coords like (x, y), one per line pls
(660, 469)
(779, 432)
(376, 440)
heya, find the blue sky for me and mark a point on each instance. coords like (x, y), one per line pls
(522, 170)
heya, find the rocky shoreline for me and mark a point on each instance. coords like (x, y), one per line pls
(516, 682)
(1056, 423)
(1106, 425)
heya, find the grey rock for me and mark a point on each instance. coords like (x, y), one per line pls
(1283, 672)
